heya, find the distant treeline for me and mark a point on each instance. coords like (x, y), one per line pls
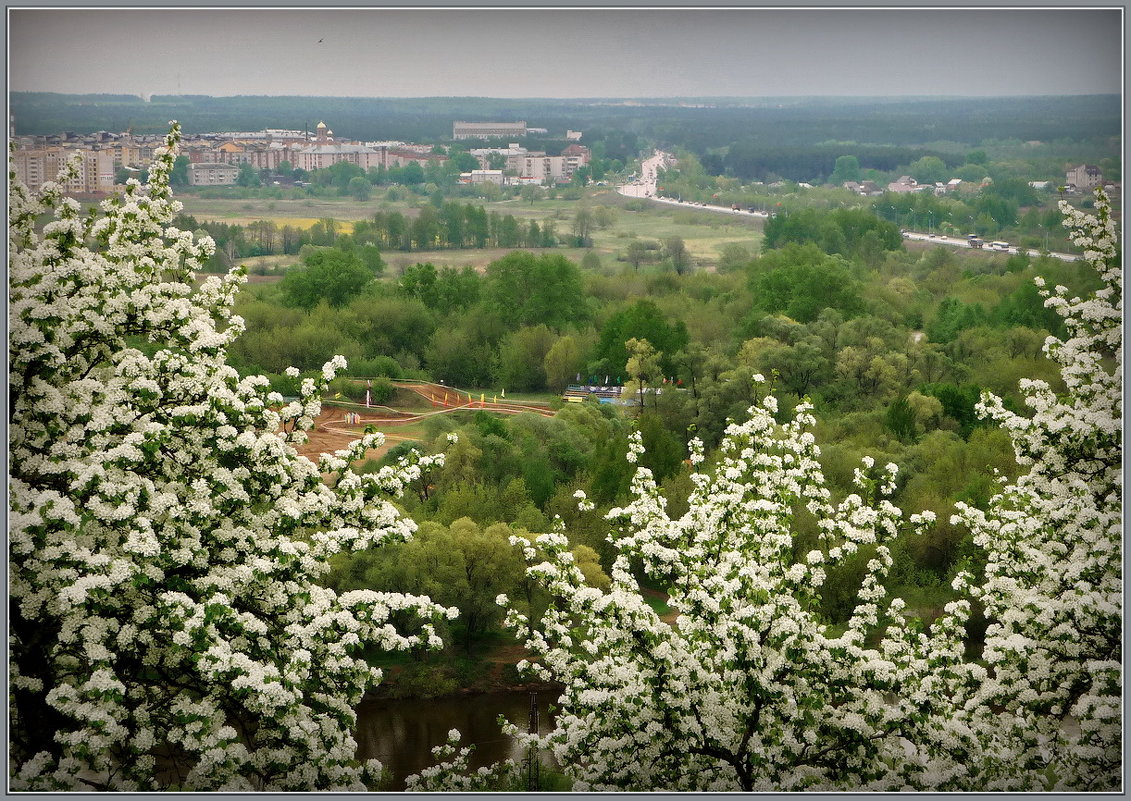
(452, 226)
(750, 161)
(761, 122)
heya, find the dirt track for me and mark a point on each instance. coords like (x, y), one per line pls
(331, 434)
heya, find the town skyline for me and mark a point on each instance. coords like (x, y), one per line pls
(567, 53)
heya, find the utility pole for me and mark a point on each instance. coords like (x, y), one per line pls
(532, 761)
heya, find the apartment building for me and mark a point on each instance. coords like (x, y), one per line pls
(483, 154)
(324, 152)
(259, 155)
(214, 173)
(549, 169)
(35, 167)
(483, 177)
(575, 156)
(1085, 176)
(319, 157)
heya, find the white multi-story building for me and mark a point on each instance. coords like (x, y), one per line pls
(549, 169)
(261, 155)
(488, 130)
(483, 154)
(37, 166)
(483, 177)
(213, 173)
(1086, 176)
(324, 152)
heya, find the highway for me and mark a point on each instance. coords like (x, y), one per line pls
(645, 187)
(960, 242)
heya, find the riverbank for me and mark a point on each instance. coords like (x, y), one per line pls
(402, 732)
(419, 702)
(446, 676)
(490, 668)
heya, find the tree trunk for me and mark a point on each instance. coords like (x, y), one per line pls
(34, 722)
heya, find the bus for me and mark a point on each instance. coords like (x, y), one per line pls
(1001, 246)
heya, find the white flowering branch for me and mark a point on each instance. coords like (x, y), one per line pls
(452, 771)
(165, 537)
(749, 688)
(1053, 542)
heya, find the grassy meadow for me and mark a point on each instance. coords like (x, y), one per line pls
(704, 233)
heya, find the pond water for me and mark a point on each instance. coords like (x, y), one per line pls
(402, 732)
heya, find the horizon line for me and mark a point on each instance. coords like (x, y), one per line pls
(587, 98)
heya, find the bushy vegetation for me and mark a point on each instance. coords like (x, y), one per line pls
(892, 346)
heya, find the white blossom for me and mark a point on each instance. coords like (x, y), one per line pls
(165, 537)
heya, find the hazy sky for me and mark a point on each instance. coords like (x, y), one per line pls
(532, 52)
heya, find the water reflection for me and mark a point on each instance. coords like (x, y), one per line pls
(402, 732)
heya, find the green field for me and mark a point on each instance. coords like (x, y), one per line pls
(301, 213)
(704, 233)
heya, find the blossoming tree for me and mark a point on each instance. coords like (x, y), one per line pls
(1053, 542)
(749, 689)
(166, 630)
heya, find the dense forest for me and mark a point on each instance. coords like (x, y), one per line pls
(893, 347)
(792, 138)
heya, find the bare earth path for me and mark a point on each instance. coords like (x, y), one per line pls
(332, 433)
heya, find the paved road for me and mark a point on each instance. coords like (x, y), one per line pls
(960, 242)
(645, 187)
(708, 207)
